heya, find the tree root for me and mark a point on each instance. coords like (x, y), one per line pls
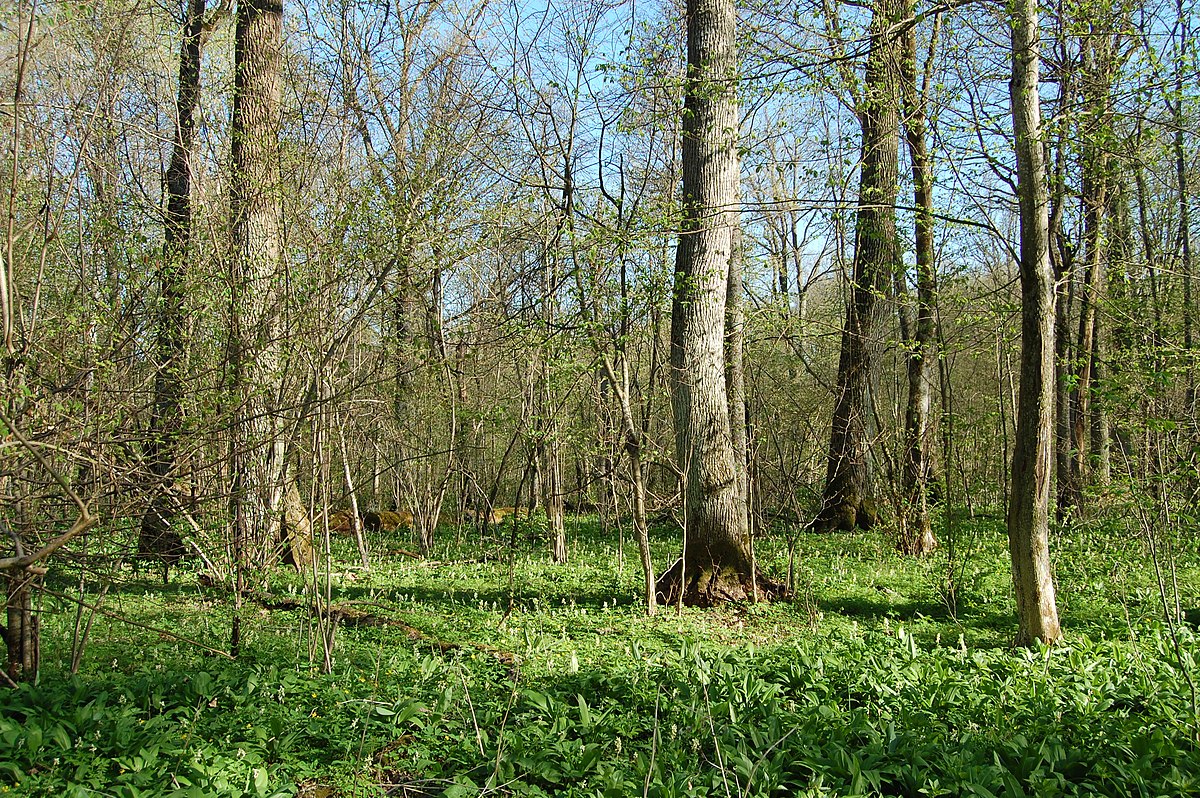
(713, 585)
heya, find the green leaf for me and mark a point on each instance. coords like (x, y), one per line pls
(260, 780)
(585, 715)
(539, 700)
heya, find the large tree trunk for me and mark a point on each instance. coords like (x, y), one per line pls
(157, 538)
(258, 447)
(847, 501)
(915, 530)
(716, 563)
(1029, 507)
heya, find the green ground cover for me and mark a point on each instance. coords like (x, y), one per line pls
(510, 676)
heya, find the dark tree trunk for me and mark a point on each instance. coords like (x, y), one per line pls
(21, 633)
(716, 563)
(1184, 198)
(848, 501)
(157, 538)
(1029, 507)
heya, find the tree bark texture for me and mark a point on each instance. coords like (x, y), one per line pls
(716, 563)
(915, 530)
(1029, 506)
(258, 448)
(157, 538)
(847, 501)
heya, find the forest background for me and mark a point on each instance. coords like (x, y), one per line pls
(285, 286)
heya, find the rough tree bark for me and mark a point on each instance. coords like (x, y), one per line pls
(716, 563)
(1029, 507)
(915, 534)
(258, 450)
(157, 538)
(847, 501)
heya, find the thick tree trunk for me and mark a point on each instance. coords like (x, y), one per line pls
(257, 445)
(716, 563)
(157, 538)
(297, 530)
(1029, 507)
(847, 501)
(915, 530)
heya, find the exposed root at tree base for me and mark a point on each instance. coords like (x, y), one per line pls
(846, 515)
(707, 587)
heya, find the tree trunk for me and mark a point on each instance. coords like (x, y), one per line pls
(21, 633)
(716, 563)
(257, 446)
(633, 438)
(735, 367)
(915, 530)
(1029, 507)
(1184, 198)
(297, 530)
(157, 538)
(1062, 258)
(1088, 426)
(847, 501)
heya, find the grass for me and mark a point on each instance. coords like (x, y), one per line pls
(533, 679)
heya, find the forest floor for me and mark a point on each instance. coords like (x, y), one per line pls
(488, 671)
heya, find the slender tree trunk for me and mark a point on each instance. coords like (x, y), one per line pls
(716, 563)
(1062, 257)
(1088, 427)
(157, 538)
(633, 440)
(1029, 507)
(847, 501)
(21, 632)
(1184, 238)
(916, 531)
(735, 367)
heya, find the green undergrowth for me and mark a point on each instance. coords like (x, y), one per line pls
(483, 671)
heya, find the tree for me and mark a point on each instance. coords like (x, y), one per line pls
(156, 537)
(259, 446)
(716, 563)
(1029, 506)
(847, 500)
(915, 534)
